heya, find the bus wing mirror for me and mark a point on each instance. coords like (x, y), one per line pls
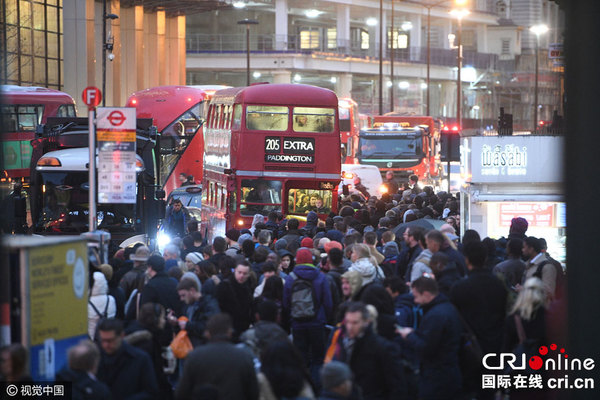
(345, 190)
(162, 209)
(349, 147)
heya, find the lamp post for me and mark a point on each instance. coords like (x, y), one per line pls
(537, 30)
(459, 13)
(106, 45)
(248, 22)
(392, 62)
(380, 57)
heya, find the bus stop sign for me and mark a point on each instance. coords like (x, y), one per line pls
(92, 96)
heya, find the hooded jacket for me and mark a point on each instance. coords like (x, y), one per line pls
(420, 266)
(322, 295)
(312, 219)
(367, 270)
(99, 299)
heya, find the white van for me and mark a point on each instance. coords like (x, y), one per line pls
(369, 176)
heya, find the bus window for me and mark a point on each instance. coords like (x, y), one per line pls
(313, 119)
(301, 201)
(21, 118)
(237, 117)
(66, 110)
(260, 196)
(267, 118)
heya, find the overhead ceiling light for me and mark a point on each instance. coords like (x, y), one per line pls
(388, 84)
(423, 85)
(312, 13)
(403, 85)
(371, 21)
(333, 79)
(239, 4)
(256, 74)
(297, 78)
(406, 26)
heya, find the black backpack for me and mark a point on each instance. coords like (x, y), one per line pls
(303, 300)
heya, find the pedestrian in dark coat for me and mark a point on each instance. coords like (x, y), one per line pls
(374, 361)
(481, 299)
(221, 364)
(160, 288)
(83, 359)
(235, 298)
(126, 371)
(436, 341)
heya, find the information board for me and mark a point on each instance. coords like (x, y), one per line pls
(116, 155)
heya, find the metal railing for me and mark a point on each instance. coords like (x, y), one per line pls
(236, 43)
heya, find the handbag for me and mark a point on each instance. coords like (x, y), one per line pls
(181, 344)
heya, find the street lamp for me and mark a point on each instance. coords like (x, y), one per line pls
(459, 13)
(380, 57)
(107, 44)
(537, 30)
(248, 22)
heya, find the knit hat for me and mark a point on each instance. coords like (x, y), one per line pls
(194, 257)
(157, 263)
(332, 245)
(307, 242)
(304, 256)
(281, 244)
(335, 373)
(518, 225)
(243, 237)
(233, 234)
(320, 243)
(142, 253)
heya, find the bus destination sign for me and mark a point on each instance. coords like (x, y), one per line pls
(289, 150)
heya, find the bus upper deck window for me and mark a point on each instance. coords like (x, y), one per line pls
(313, 119)
(267, 118)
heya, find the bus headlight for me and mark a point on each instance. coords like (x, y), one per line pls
(163, 239)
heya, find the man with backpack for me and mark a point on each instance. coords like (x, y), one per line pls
(539, 266)
(307, 301)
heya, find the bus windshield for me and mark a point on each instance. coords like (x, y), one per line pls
(260, 196)
(302, 201)
(176, 137)
(65, 206)
(391, 146)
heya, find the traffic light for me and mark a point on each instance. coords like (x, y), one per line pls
(450, 143)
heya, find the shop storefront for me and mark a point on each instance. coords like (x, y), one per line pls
(514, 176)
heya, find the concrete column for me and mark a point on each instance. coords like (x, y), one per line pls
(482, 38)
(132, 63)
(281, 25)
(151, 50)
(113, 68)
(343, 86)
(343, 28)
(175, 51)
(79, 48)
(282, 76)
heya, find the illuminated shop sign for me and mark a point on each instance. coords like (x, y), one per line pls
(512, 159)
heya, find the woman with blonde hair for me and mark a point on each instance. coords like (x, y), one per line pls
(365, 264)
(525, 328)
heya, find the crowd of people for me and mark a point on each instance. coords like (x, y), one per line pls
(346, 308)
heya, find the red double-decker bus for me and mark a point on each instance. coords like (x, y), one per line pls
(269, 147)
(178, 113)
(349, 130)
(22, 109)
